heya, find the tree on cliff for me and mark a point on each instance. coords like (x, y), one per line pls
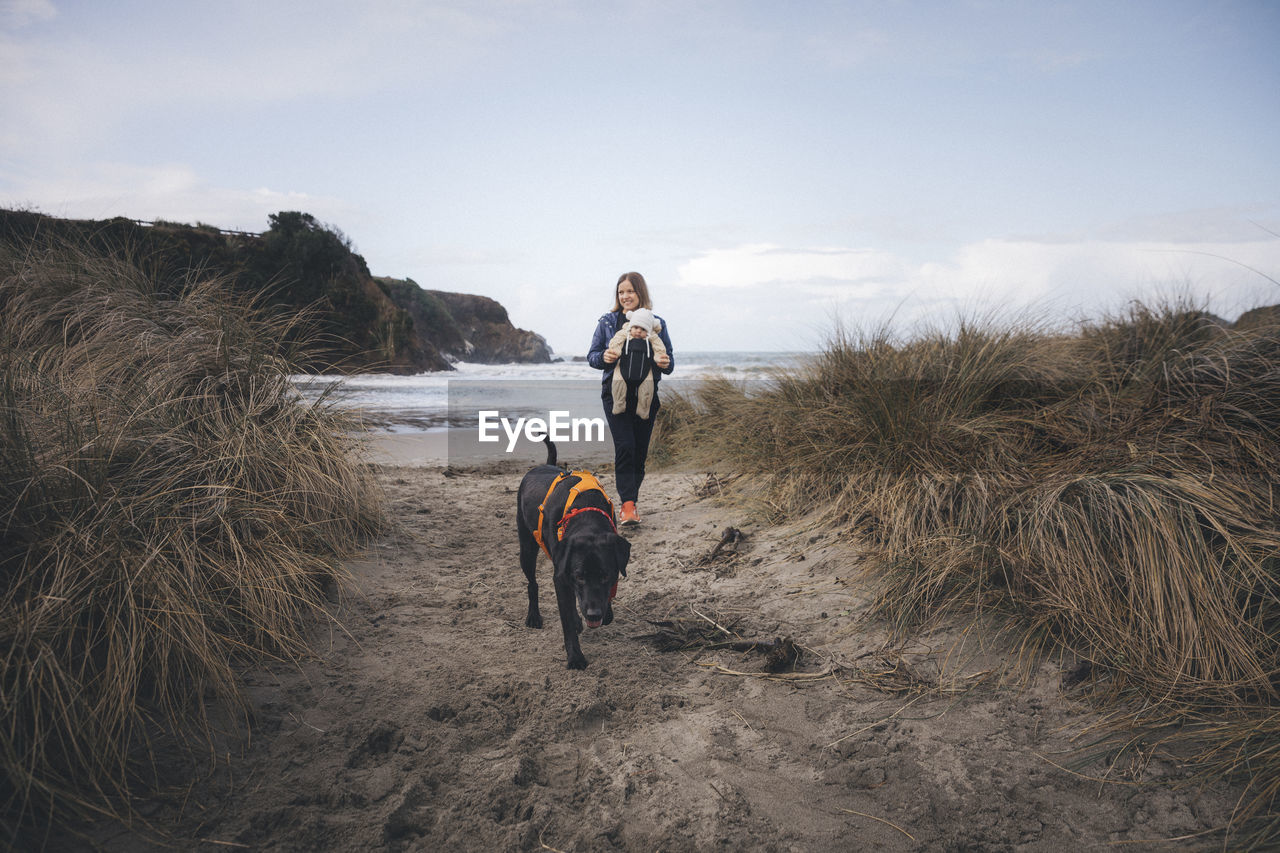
(305, 263)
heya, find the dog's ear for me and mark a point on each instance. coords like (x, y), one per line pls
(622, 549)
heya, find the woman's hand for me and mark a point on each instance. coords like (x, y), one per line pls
(610, 356)
(662, 360)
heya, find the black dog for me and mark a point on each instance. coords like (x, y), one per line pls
(586, 558)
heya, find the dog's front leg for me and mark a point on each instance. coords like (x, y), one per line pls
(529, 564)
(569, 622)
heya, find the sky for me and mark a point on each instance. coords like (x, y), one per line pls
(775, 170)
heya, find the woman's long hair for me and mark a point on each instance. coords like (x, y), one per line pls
(642, 290)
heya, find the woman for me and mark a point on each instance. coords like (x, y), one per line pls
(630, 431)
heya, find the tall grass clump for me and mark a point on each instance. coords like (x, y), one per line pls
(169, 512)
(1111, 492)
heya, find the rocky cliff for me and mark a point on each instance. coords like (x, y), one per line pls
(489, 336)
(466, 327)
(356, 323)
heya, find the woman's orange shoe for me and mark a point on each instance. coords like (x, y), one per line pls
(629, 515)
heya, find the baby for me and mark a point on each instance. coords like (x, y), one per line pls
(643, 326)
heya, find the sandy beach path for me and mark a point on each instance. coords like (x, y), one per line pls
(437, 721)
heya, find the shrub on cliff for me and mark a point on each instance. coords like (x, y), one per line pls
(307, 265)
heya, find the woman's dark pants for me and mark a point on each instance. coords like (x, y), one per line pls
(630, 445)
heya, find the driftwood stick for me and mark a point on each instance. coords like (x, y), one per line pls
(730, 536)
(712, 621)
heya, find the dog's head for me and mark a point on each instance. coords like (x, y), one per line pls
(593, 566)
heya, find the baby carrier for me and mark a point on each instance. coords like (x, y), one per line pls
(635, 361)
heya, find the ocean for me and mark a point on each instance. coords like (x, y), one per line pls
(438, 400)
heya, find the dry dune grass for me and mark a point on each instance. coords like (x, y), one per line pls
(169, 511)
(1113, 492)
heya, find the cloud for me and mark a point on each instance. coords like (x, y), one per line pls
(766, 263)
(169, 191)
(1051, 60)
(258, 53)
(17, 64)
(843, 50)
(1089, 274)
(15, 14)
(1224, 224)
(72, 89)
(1055, 280)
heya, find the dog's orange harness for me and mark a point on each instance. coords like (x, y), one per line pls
(587, 482)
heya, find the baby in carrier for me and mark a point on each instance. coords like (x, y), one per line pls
(636, 345)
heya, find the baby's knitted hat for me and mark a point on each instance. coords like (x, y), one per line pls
(643, 318)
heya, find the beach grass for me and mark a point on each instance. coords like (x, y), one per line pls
(1110, 492)
(170, 513)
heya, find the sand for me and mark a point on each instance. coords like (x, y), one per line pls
(433, 719)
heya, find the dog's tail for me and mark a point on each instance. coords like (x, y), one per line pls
(551, 450)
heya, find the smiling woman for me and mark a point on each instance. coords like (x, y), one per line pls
(631, 429)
